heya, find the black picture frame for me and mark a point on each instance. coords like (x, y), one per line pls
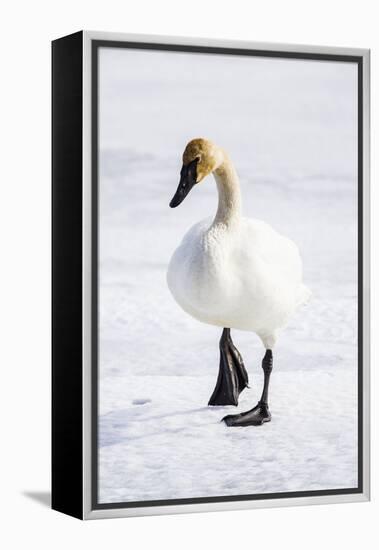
(69, 432)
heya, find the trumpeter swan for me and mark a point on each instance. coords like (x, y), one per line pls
(233, 272)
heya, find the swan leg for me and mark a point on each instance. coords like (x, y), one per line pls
(260, 413)
(232, 376)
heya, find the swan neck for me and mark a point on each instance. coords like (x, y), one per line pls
(229, 197)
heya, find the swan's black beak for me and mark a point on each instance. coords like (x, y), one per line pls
(188, 177)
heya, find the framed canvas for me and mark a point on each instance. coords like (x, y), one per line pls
(210, 275)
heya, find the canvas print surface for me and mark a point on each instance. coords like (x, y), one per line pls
(283, 132)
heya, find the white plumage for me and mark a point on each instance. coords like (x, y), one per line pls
(247, 277)
(233, 271)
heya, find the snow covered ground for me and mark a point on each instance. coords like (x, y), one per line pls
(291, 131)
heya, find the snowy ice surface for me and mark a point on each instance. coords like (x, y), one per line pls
(290, 128)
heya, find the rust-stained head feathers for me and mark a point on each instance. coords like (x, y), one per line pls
(207, 154)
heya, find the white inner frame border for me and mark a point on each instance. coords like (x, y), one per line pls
(88, 512)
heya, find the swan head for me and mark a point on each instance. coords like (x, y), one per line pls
(201, 157)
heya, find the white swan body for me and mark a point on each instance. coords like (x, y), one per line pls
(248, 278)
(237, 272)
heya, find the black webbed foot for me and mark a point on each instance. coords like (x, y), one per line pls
(232, 376)
(242, 376)
(255, 417)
